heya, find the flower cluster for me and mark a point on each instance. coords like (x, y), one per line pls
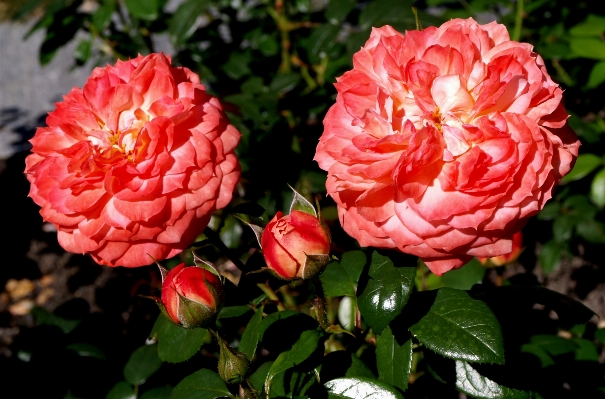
(443, 142)
(134, 163)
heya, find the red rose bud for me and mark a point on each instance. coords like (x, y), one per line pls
(192, 295)
(296, 245)
(506, 259)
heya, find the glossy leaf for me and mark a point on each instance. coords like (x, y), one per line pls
(341, 278)
(360, 388)
(585, 164)
(386, 293)
(251, 334)
(469, 381)
(142, 364)
(121, 391)
(177, 344)
(185, 20)
(203, 384)
(147, 9)
(306, 345)
(394, 359)
(597, 189)
(461, 328)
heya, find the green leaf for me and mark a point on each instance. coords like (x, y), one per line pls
(553, 344)
(586, 350)
(382, 12)
(596, 78)
(147, 9)
(306, 345)
(185, 20)
(394, 359)
(464, 278)
(176, 344)
(87, 350)
(599, 335)
(43, 317)
(82, 52)
(320, 42)
(461, 328)
(121, 391)
(585, 164)
(550, 211)
(550, 256)
(233, 311)
(386, 293)
(592, 231)
(268, 45)
(338, 10)
(236, 66)
(562, 227)
(284, 82)
(360, 388)
(594, 26)
(341, 278)
(587, 47)
(469, 381)
(597, 189)
(251, 334)
(540, 353)
(203, 384)
(143, 362)
(158, 393)
(101, 17)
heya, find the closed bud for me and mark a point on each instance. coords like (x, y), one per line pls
(191, 295)
(232, 364)
(295, 245)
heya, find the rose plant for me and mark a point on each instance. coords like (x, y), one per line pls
(134, 163)
(443, 142)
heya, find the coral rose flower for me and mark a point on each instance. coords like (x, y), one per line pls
(443, 142)
(134, 163)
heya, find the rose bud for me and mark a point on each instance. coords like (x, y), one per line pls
(295, 245)
(506, 259)
(191, 295)
(233, 365)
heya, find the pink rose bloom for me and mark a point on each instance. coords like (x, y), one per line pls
(443, 142)
(134, 163)
(506, 259)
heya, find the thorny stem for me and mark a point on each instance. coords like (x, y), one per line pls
(216, 240)
(320, 303)
(271, 295)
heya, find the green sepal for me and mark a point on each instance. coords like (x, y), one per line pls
(300, 203)
(233, 365)
(163, 270)
(194, 314)
(209, 266)
(258, 231)
(165, 312)
(314, 265)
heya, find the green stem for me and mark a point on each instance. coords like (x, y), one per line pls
(518, 21)
(215, 239)
(320, 303)
(271, 295)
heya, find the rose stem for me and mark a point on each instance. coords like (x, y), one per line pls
(271, 295)
(320, 303)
